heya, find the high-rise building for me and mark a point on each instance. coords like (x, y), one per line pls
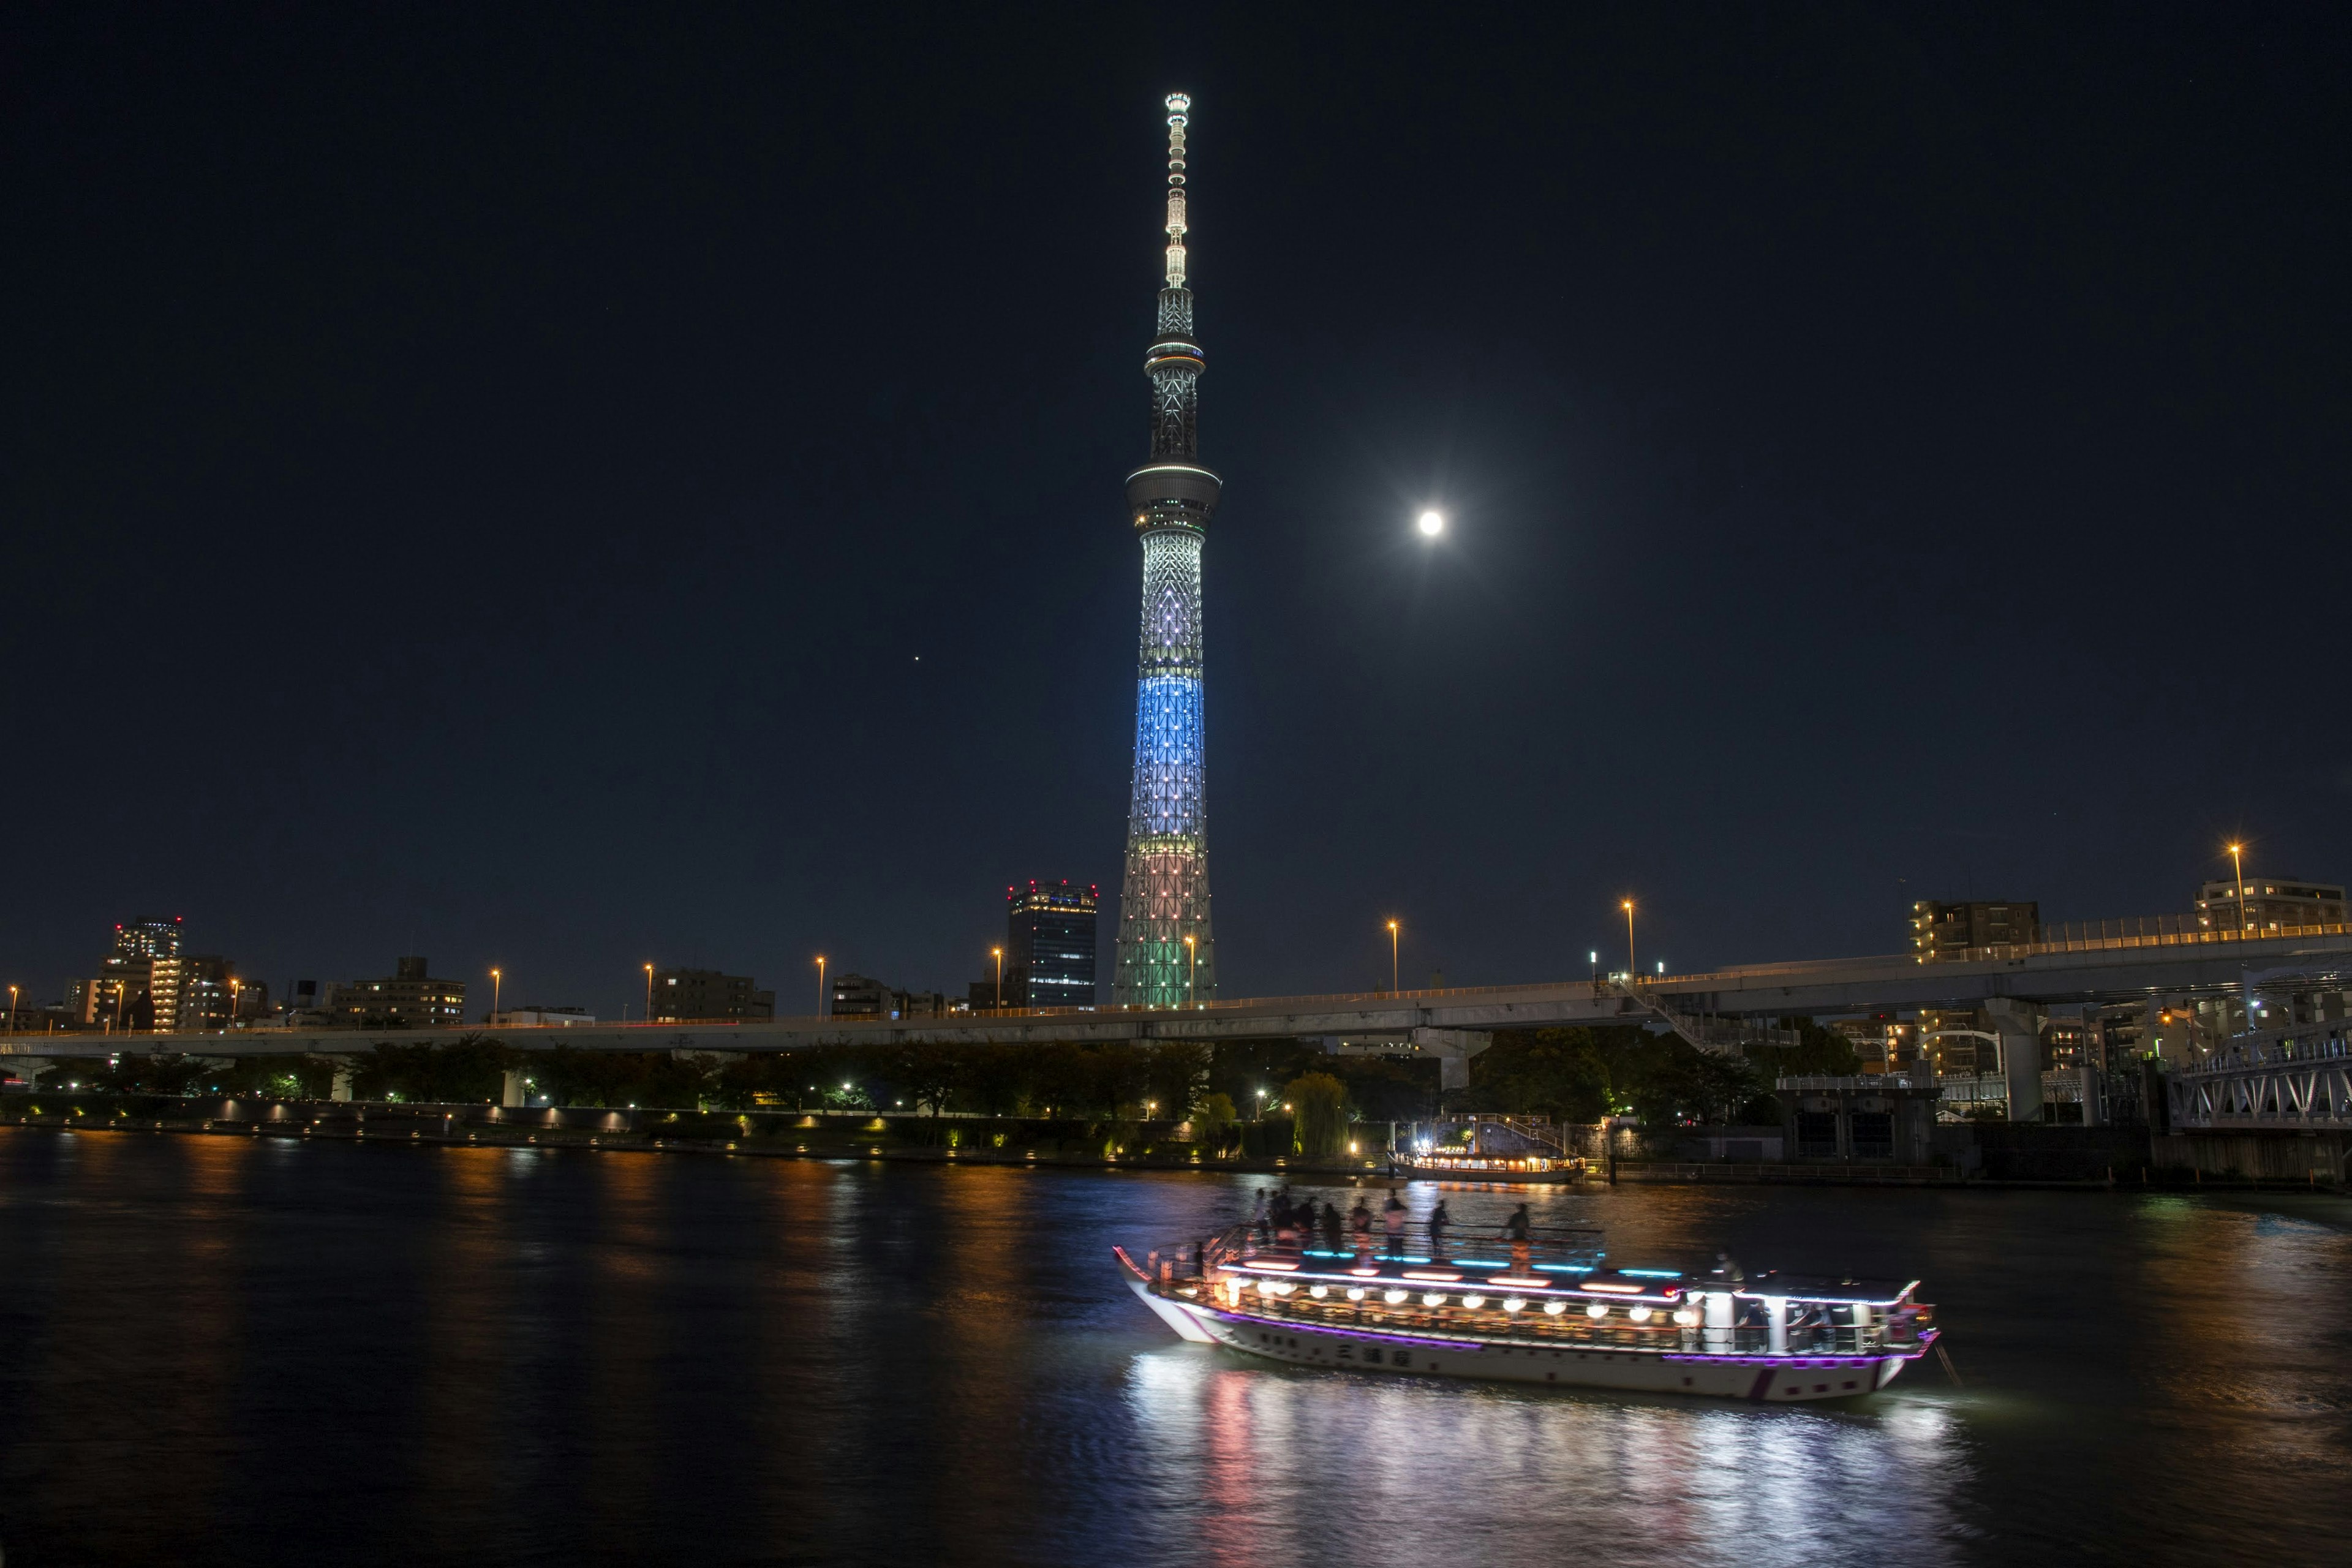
(1049, 943)
(1166, 953)
(2269, 904)
(1940, 928)
(149, 938)
(705, 996)
(410, 999)
(137, 984)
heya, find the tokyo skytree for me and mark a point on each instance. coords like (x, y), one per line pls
(1166, 955)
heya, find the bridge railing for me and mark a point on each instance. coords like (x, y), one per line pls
(2113, 935)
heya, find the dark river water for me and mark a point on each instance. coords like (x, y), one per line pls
(251, 1351)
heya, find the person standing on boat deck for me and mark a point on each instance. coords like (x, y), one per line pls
(1257, 1216)
(1286, 1226)
(1360, 1220)
(1393, 1217)
(1333, 1240)
(1438, 1220)
(1515, 1230)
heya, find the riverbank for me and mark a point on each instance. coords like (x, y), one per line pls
(974, 1141)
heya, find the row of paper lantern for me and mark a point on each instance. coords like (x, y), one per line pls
(1553, 1308)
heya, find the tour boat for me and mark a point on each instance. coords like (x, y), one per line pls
(1560, 1320)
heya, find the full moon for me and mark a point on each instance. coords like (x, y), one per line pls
(1432, 524)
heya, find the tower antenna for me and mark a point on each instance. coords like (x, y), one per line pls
(1180, 107)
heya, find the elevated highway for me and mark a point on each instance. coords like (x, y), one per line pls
(2012, 984)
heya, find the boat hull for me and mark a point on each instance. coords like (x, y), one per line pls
(1772, 1380)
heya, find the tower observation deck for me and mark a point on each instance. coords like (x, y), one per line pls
(1165, 954)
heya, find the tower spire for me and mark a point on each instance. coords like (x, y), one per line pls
(1167, 956)
(1179, 116)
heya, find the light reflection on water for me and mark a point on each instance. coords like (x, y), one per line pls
(1413, 1471)
(254, 1351)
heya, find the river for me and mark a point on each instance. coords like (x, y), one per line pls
(257, 1350)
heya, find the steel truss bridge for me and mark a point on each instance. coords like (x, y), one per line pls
(1719, 1010)
(2293, 1079)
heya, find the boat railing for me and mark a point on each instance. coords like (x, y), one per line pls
(1559, 1248)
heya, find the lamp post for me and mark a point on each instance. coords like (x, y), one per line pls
(1394, 985)
(1633, 969)
(496, 980)
(1192, 966)
(649, 993)
(820, 985)
(235, 985)
(11, 1009)
(998, 954)
(2237, 869)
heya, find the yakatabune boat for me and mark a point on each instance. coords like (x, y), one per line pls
(1552, 1314)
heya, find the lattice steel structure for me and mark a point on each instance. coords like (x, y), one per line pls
(1165, 954)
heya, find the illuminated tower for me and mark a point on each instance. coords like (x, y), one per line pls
(1166, 955)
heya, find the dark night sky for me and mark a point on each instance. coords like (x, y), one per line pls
(479, 482)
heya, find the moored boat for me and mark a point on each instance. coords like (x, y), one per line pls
(1550, 1311)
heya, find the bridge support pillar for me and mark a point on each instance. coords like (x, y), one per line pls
(1453, 1048)
(2018, 1024)
(27, 1069)
(510, 1092)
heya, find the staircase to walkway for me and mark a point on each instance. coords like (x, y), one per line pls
(1709, 1032)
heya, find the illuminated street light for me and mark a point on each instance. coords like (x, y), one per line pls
(497, 979)
(1633, 969)
(2239, 866)
(998, 953)
(1395, 987)
(11, 1009)
(1192, 966)
(649, 993)
(1432, 524)
(820, 985)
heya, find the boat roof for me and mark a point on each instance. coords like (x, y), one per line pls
(1841, 1289)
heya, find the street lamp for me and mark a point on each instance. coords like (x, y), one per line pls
(496, 980)
(998, 954)
(820, 985)
(1632, 968)
(1192, 966)
(2238, 866)
(1394, 986)
(235, 985)
(649, 993)
(11, 1009)
(1432, 524)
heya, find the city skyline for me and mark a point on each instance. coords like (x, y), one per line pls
(1829, 503)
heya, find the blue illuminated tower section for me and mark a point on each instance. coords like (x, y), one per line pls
(1165, 954)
